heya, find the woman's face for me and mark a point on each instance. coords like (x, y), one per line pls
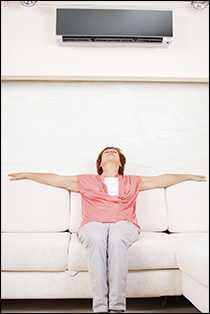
(110, 154)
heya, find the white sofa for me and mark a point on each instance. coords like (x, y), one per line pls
(42, 257)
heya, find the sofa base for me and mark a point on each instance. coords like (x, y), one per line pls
(47, 285)
(196, 293)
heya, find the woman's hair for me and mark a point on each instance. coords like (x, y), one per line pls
(121, 156)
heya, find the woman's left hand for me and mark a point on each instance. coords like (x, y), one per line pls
(199, 178)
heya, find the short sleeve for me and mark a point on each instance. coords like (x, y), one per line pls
(82, 182)
(135, 182)
(138, 183)
(85, 182)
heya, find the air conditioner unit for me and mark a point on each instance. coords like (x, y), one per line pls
(151, 28)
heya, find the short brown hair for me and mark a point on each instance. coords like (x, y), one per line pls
(122, 160)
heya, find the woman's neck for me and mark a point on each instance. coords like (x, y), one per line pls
(110, 170)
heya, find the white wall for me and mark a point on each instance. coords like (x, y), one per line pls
(60, 127)
(30, 50)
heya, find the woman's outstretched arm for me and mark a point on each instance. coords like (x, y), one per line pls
(69, 183)
(166, 180)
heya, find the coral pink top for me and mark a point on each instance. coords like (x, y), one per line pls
(98, 205)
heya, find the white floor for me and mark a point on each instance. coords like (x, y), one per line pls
(134, 305)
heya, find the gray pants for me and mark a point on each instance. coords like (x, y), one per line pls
(107, 247)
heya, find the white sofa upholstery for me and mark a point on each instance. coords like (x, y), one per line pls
(42, 257)
(33, 207)
(188, 218)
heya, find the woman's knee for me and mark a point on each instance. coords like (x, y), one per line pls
(119, 236)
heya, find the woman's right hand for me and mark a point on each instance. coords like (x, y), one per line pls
(17, 176)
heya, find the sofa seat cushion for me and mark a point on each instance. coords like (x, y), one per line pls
(192, 254)
(152, 250)
(34, 251)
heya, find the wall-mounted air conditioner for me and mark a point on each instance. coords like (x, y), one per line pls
(151, 28)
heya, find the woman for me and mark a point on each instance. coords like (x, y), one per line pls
(109, 225)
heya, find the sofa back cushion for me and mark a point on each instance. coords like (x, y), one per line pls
(28, 206)
(188, 206)
(151, 211)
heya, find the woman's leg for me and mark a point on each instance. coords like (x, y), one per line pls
(121, 236)
(93, 236)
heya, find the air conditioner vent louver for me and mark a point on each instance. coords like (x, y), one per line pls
(98, 26)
